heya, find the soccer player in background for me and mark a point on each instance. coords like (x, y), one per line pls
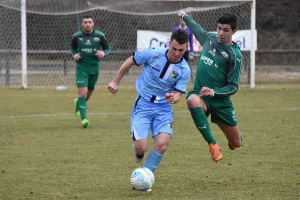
(217, 78)
(189, 53)
(87, 48)
(163, 80)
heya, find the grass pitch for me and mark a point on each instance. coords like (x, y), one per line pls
(45, 154)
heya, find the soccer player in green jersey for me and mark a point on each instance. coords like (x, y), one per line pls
(217, 78)
(88, 47)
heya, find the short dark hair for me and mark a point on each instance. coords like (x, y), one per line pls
(180, 35)
(88, 16)
(228, 18)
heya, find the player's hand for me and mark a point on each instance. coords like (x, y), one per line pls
(99, 54)
(170, 97)
(77, 57)
(205, 91)
(180, 13)
(113, 87)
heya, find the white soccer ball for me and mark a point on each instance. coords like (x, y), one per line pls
(142, 179)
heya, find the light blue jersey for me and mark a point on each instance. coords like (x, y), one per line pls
(151, 111)
(159, 75)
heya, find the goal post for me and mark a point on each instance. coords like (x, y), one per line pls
(34, 45)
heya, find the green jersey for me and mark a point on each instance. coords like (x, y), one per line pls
(87, 45)
(219, 65)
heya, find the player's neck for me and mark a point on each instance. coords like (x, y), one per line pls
(88, 32)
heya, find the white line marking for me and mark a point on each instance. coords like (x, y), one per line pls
(128, 113)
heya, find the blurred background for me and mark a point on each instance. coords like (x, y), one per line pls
(51, 24)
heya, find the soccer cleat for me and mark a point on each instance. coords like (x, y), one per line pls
(76, 110)
(215, 152)
(137, 158)
(85, 123)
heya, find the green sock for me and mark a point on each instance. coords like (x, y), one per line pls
(202, 124)
(82, 107)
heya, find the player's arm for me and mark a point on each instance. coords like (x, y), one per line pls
(196, 29)
(105, 46)
(173, 97)
(180, 87)
(233, 79)
(73, 49)
(113, 86)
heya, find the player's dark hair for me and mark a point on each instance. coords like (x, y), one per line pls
(88, 16)
(228, 18)
(180, 35)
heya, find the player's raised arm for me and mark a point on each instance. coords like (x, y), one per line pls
(196, 28)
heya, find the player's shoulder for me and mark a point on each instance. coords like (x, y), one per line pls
(184, 64)
(236, 49)
(99, 33)
(78, 33)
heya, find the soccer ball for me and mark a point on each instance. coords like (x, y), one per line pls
(142, 179)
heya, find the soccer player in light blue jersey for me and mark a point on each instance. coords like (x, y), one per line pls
(217, 78)
(163, 80)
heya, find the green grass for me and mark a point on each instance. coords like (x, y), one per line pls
(45, 154)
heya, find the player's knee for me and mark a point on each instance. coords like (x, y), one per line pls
(236, 143)
(161, 148)
(193, 101)
(140, 149)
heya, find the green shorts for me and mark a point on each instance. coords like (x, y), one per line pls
(87, 78)
(220, 109)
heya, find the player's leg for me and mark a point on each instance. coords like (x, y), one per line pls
(198, 109)
(161, 143)
(162, 133)
(82, 86)
(82, 106)
(224, 116)
(233, 136)
(76, 109)
(92, 84)
(140, 128)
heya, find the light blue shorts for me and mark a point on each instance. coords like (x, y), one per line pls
(147, 116)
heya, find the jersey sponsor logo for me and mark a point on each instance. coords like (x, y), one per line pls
(88, 42)
(207, 60)
(87, 50)
(96, 39)
(155, 67)
(174, 75)
(224, 54)
(212, 52)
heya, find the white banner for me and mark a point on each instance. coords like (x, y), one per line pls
(145, 39)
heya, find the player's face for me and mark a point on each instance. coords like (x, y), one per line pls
(87, 25)
(225, 33)
(176, 51)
